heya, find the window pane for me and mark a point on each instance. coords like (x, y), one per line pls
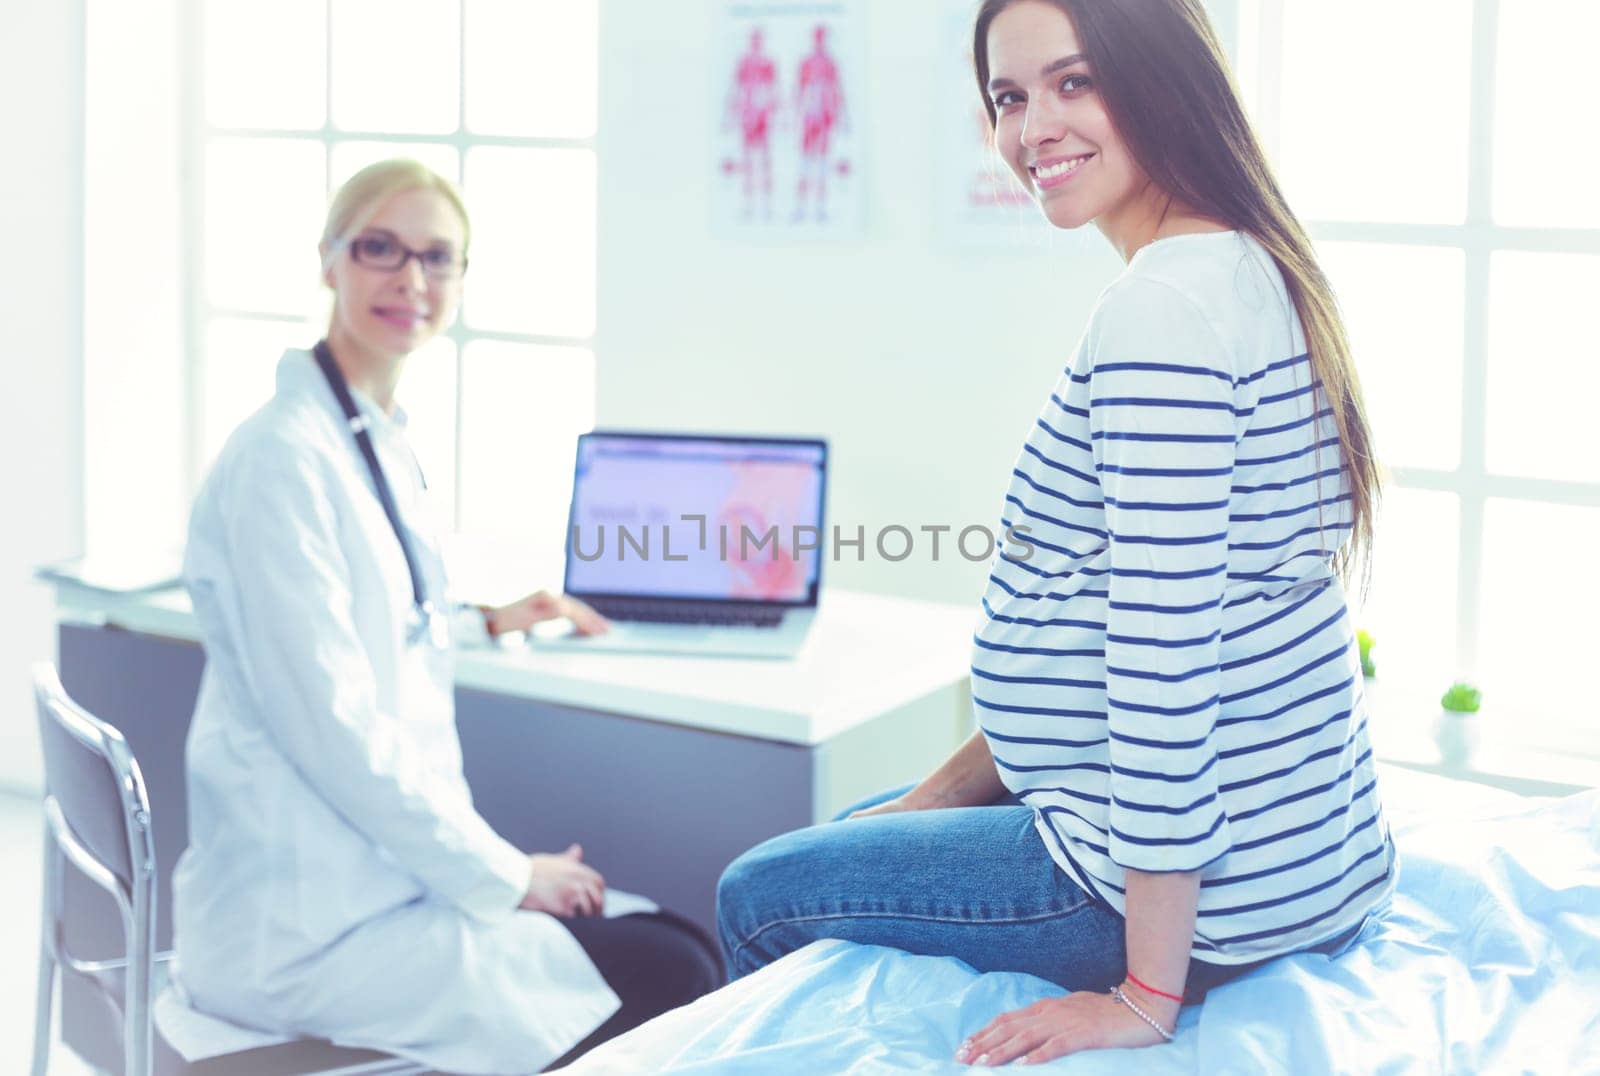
(1543, 168)
(240, 368)
(348, 158)
(1537, 641)
(428, 393)
(1407, 354)
(265, 201)
(533, 240)
(522, 408)
(1411, 609)
(266, 64)
(506, 93)
(397, 65)
(1374, 110)
(1544, 365)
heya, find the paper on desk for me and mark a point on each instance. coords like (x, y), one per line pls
(619, 902)
(119, 571)
(196, 1035)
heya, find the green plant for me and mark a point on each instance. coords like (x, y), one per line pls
(1462, 698)
(1364, 642)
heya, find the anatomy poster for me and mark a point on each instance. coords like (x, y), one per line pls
(789, 98)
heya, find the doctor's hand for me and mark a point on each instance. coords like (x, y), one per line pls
(522, 615)
(563, 885)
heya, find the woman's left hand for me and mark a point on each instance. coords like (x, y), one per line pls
(1055, 1027)
(522, 615)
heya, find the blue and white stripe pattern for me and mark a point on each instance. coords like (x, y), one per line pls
(1165, 669)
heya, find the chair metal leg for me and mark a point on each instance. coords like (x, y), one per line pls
(41, 1020)
(136, 1000)
(47, 957)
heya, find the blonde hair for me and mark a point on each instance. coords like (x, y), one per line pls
(364, 193)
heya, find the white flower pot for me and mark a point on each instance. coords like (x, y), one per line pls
(1457, 735)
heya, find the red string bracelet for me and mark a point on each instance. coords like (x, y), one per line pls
(1150, 989)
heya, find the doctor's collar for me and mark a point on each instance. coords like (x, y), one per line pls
(375, 414)
(298, 373)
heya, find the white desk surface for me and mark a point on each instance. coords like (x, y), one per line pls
(867, 654)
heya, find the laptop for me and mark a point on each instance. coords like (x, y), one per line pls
(696, 544)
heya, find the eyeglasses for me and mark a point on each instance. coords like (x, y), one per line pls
(381, 250)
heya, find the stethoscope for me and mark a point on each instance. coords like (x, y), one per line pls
(427, 622)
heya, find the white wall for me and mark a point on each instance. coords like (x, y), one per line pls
(92, 360)
(133, 361)
(41, 86)
(925, 365)
(922, 362)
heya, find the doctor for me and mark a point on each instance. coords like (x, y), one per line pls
(338, 882)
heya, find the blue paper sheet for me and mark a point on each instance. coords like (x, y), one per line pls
(1489, 961)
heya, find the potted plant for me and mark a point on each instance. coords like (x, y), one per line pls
(1369, 685)
(1364, 644)
(1457, 728)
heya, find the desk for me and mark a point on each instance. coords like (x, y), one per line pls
(663, 768)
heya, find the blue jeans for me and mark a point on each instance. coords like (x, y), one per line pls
(970, 882)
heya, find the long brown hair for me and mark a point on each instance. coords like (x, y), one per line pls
(1166, 86)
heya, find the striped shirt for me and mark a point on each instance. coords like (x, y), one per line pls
(1165, 669)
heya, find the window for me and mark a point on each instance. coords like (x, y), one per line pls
(1447, 188)
(498, 95)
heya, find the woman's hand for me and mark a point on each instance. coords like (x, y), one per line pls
(894, 806)
(920, 798)
(563, 885)
(522, 615)
(966, 779)
(1058, 1026)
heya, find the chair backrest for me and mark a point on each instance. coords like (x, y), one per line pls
(92, 777)
(97, 815)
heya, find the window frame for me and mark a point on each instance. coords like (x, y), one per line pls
(1478, 237)
(198, 312)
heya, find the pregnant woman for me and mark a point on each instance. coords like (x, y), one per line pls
(1172, 781)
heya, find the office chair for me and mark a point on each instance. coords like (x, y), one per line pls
(97, 818)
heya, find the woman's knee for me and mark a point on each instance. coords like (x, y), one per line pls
(747, 894)
(735, 896)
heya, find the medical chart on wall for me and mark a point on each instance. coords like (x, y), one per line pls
(788, 90)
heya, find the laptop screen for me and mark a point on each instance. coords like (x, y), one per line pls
(710, 518)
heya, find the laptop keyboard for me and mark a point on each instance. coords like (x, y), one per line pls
(690, 613)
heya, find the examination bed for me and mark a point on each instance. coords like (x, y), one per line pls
(1489, 961)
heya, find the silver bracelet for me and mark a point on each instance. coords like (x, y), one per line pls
(1116, 992)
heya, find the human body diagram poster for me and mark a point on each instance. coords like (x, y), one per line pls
(788, 88)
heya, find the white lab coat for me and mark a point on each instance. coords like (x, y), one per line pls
(338, 881)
